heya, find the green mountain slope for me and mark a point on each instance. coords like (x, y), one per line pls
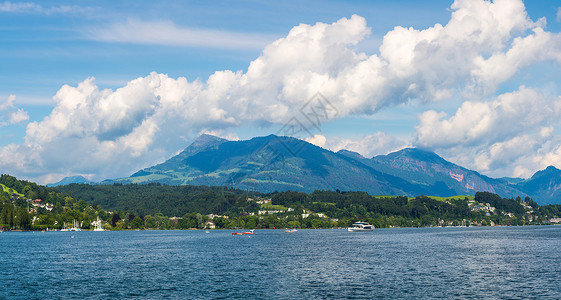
(274, 163)
(544, 186)
(270, 164)
(445, 178)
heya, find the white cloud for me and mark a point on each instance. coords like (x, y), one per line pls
(115, 132)
(10, 114)
(479, 122)
(369, 146)
(512, 135)
(9, 103)
(30, 7)
(318, 140)
(221, 133)
(520, 156)
(18, 117)
(19, 7)
(167, 33)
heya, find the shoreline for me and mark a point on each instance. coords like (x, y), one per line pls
(228, 229)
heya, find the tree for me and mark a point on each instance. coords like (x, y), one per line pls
(251, 224)
(136, 223)
(114, 219)
(316, 223)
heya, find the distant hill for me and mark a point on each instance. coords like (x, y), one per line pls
(275, 163)
(445, 178)
(544, 186)
(69, 180)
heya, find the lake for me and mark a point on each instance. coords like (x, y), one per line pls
(485, 262)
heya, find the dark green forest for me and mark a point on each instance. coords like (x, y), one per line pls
(340, 209)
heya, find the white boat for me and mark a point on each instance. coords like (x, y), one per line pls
(75, 226)
(98, 226)
(360, 226)
(64, 227)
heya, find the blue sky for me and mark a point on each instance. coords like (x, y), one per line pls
(461, 78)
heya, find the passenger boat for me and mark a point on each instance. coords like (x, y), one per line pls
(360, 226)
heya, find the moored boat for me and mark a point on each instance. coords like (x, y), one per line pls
(98, 226)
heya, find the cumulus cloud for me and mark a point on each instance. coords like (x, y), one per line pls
(10, 114)
(18, 117)
(369, 146)
(318, 140)
(486, 122)
(8, 103)
(167, 33)
(113, 133)
(500, 137)
(519, 156)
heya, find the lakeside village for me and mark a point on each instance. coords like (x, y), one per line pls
(21, 213)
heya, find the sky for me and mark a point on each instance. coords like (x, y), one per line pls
(105, 88)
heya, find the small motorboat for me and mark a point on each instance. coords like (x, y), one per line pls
(291, 230)
(249, 232)
(236, 233)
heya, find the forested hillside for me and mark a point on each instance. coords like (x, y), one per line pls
(25, 205)
(144, 199)
(327, 208)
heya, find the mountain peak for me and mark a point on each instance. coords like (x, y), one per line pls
(68, 180)
(418, 154)
(549, 171)
(277, 163)
(351, 154)
(544, 186)
(204, 141)
(206, 138)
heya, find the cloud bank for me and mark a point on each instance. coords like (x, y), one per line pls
(513, 134)
(112, 133)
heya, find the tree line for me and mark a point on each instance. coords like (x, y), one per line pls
(151, 206)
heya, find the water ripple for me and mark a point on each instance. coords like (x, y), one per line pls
(434, 263)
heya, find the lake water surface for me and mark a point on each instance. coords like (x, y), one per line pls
(411, 263)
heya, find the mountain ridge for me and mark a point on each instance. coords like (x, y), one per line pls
(279, 163)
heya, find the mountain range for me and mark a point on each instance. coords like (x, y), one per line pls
(277, 163)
